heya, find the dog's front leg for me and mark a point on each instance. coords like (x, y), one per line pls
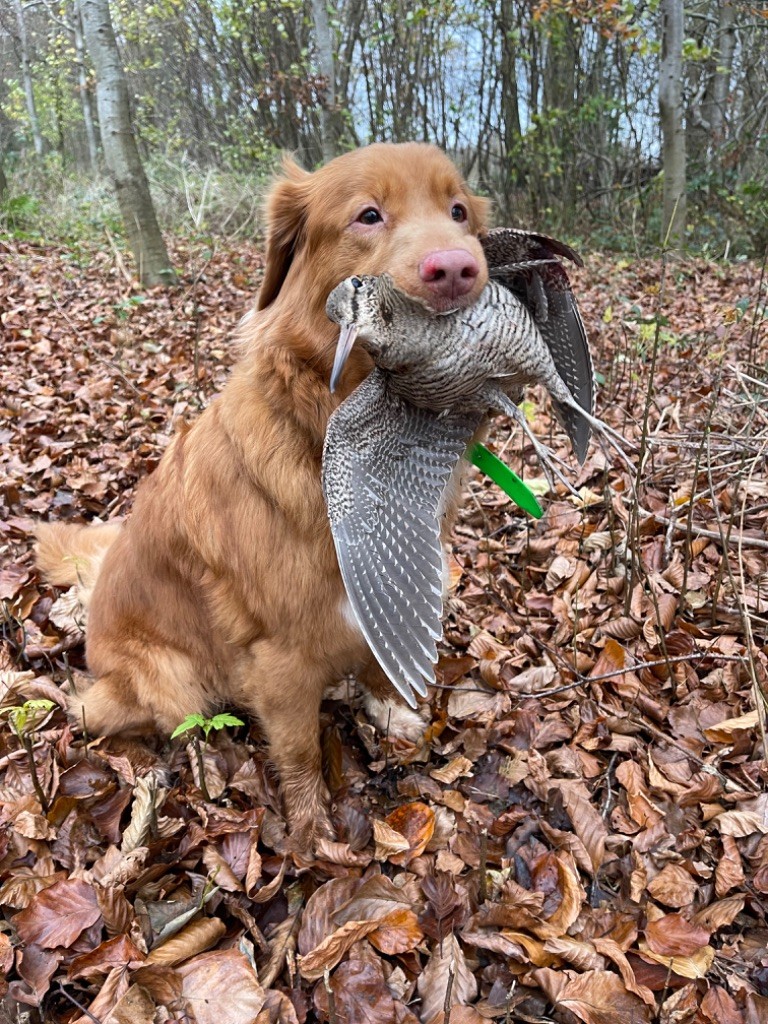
(286, 699)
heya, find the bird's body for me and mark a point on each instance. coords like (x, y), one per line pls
(450, 361)
(392, 446)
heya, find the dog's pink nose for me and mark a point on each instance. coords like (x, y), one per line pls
(449, 272)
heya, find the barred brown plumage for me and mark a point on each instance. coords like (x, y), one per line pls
(392, 446)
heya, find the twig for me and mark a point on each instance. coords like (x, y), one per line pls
(482, 893)
(79, 1005)
(448, 993)
(752, 542)
(332, 1018)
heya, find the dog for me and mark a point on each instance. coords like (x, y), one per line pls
(222, 587)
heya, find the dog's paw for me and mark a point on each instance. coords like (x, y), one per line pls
(305, 836)
(394, 719)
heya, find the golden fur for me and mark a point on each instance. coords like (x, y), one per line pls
(223, 586)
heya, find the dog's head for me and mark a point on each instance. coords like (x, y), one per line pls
(400, 209)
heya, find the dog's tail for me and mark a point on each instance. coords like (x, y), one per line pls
(70, 555)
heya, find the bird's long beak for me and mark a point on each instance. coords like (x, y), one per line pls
(343, 348)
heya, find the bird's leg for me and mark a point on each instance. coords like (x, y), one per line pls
(547, 458)
(611, 436)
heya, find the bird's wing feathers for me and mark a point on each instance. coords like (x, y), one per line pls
(386, 465)
(529, 266)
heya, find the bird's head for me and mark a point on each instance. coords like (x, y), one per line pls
(365, 308)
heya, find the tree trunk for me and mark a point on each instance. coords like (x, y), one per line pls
(82, 85)
(717, 90)
(120, 153)
(672, 125)
(26, 75)
(329, 118)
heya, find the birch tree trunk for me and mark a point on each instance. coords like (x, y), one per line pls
(82, 85)
(327, 64)
(120, 153)
(672, 124)
(26, 75)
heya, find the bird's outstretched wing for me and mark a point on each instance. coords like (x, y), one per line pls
(386, 465)
(529, 265)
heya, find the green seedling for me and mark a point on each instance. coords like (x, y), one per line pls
(24, 720)
(206, 725)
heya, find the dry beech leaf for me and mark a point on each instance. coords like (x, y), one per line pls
(582, 955)
(361, 996)
(561, 568)
(641, 807)
(387, 840)
(622, 628)
(729, 871)
(740, 823)
(341, 853)
(455, 768)
(694, 966)
(221, 986)
(612, 660)
(374, 899)
(673, 935)
(724, 731)
(615, 953)
(330, 951)
(56, 916)
(720, 914)
(661, 621)
(447, 957)
(135, 1007)
(192, 939)
(35, 965)
(600, 997)
(398, 932)
(416, 822)
(116, 952)
(673, 886)
(146, 800)
(318, 919)
(588, 823)
(573, 896)
(720, 1008)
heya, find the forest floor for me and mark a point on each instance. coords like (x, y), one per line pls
(582, 835)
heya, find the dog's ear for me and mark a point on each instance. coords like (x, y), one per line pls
(286, 211)
(479, 211)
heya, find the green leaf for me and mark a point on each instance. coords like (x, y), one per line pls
(190, 722)
(223, 720)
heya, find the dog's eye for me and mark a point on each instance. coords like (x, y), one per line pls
(459, 212)
(356, 282)
(370, 216)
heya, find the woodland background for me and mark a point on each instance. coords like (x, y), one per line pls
(581, 837)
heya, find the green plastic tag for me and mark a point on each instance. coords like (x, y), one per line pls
(507, 480)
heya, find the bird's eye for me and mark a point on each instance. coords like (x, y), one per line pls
(370, 216)
(356, 282)
(459, 212)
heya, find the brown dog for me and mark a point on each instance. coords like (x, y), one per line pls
(223, 586)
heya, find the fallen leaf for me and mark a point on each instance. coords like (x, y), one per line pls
(416, 822)
(330, 951)
(600, 997)
(673, 935)
(221, 986)
(398, 932)
(447, 958)
(59, 914)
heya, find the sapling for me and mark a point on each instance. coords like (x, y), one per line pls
(24, 720)
(207, 725)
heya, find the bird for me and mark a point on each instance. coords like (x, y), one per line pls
(393, 444)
